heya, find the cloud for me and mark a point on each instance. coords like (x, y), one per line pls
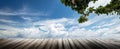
(9, 31)
(96, 19)
(99, 3)
(7, 21)
(57, 27)
(67, 28)
(97, 26)
(114, 21)
(2, 29)
(113, 32)
(26, 18)
(22, 12)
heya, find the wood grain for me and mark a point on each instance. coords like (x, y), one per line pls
(59, 44)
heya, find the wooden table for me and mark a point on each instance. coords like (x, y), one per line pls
(59, 44)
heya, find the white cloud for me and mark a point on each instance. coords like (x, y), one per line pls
(9, 31)
(21, 12)
(108, 23)
(26, 18)
(63, 21)
(33, 33)
(96, 19)
(99, 3)
(77, 30)
(7, 21)
(113, 32)
(56, 27)
(67, 28)
(97, 26)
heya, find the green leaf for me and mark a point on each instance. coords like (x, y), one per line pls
(82, 19)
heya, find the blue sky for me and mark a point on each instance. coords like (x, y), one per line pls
(51, 19)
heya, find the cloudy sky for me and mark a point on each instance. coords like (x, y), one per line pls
(51, 19)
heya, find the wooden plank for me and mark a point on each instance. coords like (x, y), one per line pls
(59, 44)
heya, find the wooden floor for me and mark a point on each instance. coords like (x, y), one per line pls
(59, 44)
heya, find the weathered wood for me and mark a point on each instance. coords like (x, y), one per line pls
(59, 44)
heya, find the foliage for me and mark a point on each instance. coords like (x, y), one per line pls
(81, 5)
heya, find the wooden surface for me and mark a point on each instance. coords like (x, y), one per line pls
(59, 44)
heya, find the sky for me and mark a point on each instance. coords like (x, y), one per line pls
(51, 19)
